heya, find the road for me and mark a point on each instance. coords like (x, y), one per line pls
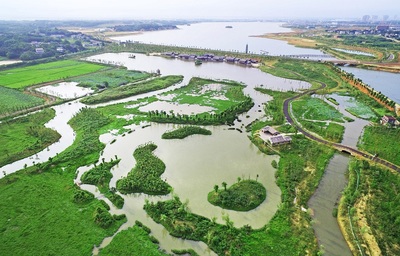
(337, 146)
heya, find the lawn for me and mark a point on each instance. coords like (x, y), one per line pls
(12, 100)
(26, 136)
(41, 73)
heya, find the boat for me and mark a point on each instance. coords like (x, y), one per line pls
(198, 62)
(228, 27)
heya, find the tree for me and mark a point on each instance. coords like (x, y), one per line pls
(224, 185)
(216, 188)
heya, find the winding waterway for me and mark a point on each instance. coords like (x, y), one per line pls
(328, 193)
(195, 164)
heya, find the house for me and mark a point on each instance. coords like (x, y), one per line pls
(270, 130)
(279, 140)
(273, 137)
(39, 50)
(60, 49)
(388, 120)
(230, 59)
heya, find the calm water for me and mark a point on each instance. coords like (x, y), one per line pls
(214, 35)
(333, 182)
(385, 82)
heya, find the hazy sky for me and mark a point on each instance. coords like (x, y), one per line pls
(186, 9)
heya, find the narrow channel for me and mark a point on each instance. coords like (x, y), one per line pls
(328, 193)
(324, 201)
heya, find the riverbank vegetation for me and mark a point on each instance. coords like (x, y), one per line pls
(51, 197)
(184, 132)
(134, 240)
(25, 136)
(100, 176)
(145, 176)
(174, 216)
(370, 209)
(245, 195)
(46, 72)
(133, 89)
(382, 141)
(109, 78)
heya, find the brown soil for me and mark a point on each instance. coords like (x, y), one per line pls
(362, 223)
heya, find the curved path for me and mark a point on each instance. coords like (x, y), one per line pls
(337, 146)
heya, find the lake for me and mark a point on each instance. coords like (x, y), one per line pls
(215, 35)
(387, 83)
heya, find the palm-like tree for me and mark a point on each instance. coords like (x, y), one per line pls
(224, 185)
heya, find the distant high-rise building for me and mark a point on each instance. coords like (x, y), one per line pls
(366, 18)
(247, 48)
(385, 17)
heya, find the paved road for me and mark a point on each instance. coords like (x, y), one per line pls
(338, 146)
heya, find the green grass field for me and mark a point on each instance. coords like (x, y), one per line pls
(382, 141)
(36, 74)
(12, 100)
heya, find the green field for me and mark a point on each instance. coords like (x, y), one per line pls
(110, 78)
(12, 100)
(41, 73)
(382, 141)
(26, 136)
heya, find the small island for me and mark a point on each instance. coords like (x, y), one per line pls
(245, 195)
(184, 132)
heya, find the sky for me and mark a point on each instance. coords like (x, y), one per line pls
(194, 9)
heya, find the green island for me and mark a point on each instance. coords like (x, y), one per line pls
(26, 135)
(368, 209)
(245, 195)
(145, 177)
(184, 132)
(226, 97)
(133, 89)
